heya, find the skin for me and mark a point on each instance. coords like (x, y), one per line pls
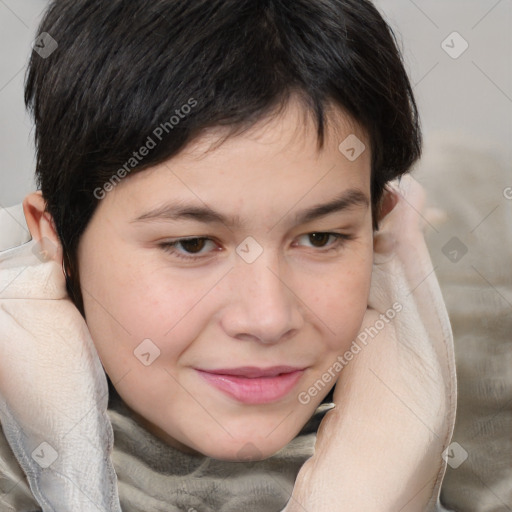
(300, 303)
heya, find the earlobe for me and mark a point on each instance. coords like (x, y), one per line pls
(40, 222)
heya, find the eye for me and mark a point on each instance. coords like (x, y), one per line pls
(319, 240)
(193, 247)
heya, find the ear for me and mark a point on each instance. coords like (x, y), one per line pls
(387, 203)
(40, 224)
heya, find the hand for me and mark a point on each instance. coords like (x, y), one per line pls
(381, 448)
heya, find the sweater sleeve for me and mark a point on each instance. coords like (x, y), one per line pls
(15, 493)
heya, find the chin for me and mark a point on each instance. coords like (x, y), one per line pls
(249, 439)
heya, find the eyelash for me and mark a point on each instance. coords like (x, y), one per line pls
(170, 247)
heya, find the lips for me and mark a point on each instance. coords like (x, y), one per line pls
(253, 385)
(252, 372)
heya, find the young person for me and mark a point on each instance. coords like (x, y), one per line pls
(212, 178)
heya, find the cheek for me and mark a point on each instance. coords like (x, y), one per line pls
(343, 298)
(128, 302)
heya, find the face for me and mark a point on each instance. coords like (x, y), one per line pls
(218, 291)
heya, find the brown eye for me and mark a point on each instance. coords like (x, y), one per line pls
(325, 241)
(319, 239)
(189, 248)
(193, 245)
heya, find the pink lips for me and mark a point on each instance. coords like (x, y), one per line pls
(252, 385)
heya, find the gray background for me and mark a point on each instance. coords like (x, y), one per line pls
(470, 96)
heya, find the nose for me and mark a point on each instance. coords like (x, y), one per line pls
(263, 305)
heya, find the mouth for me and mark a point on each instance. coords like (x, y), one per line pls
(253, 385)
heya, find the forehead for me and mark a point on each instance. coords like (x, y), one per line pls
(290, 123)
(275, 162)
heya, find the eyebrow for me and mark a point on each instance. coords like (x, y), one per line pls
(350, 198)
